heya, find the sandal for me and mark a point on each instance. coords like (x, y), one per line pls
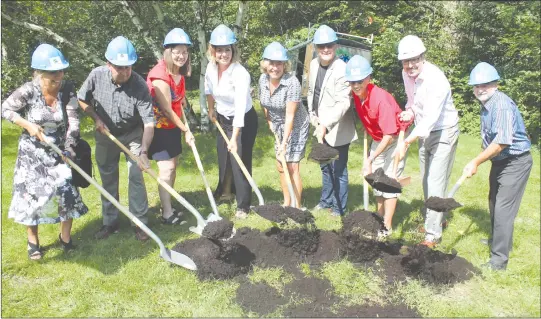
(175, 218)
(34, 251)
(67, 246)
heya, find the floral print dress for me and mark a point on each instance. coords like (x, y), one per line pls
(42, 188)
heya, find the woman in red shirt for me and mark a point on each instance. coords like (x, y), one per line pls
(378, 111)
(166, 82)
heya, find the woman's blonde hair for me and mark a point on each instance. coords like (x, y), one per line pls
(185, 70)
(211, 53)
(264, 64)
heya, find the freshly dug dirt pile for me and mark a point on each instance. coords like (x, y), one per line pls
(313, 290)
(329, 248)
(215, 259)
(436, 267)
(273, 212)
(358, 236)
(298, 215)
(322, 153)
(371, 178)
(259, 298)
(221, 229)
(302, 241)
(441, 204)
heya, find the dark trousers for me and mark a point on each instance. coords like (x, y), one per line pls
(334, 191)
(245, 145)
(508, 178)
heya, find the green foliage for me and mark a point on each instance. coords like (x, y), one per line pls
(457, 34)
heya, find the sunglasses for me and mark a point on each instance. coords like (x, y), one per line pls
(413, 61)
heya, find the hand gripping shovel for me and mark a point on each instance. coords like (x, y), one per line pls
(290, 188)
(169, 255)
(242, 167)
(201, 222)
(215, 216)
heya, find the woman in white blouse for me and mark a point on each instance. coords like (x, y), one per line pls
(227, 86)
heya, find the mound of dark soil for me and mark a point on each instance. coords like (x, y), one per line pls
(302, 241)
(216, 259)
(221, 229)
(322, 153)
(441, 204)
(259, 298)
(329, 248)
(358, 236)
(313, 290)
(273, 212)
(436, 267)
(298, 215)
(382, 182)
(371, 178)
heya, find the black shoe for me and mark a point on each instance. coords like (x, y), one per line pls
(494, 267)
(67, 246)
(140, 234)
(106, 230)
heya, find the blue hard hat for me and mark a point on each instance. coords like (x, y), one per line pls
(483, 73)
(121, 52)
(177, 36)
(324, 34)
(222, 35)
(358, 68)
(275, 52)
(48, 58)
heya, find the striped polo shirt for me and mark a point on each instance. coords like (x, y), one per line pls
(501, 123)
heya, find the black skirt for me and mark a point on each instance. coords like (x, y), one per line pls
(166, 144)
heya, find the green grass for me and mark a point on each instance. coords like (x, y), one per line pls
(121, 277)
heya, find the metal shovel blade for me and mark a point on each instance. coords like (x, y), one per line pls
(178, 258)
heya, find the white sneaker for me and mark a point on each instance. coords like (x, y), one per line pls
(240, 214)
(384, 233)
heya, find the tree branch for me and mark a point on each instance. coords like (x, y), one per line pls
(57, 37)
(159, 14)
(146, 36)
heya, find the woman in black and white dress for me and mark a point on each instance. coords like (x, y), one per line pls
(227, 86)
(42, 189)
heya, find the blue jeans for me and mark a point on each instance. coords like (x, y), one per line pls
(334, 191)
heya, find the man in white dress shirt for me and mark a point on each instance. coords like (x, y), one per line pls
(430, 103)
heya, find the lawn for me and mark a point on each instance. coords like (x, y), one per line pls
(121, 277)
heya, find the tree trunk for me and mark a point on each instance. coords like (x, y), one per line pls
(146, 36)
(58, 38)
(159, 15)
(205, 123)
(241, 13)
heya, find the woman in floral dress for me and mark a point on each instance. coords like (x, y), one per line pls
(42, 189)
(280, 97)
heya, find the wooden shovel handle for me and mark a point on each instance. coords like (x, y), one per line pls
(292, 191)
(397, 155)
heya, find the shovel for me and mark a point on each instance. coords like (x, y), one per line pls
(169, 255)
(446, 204)
(242, 167)
(365, 183)
(200, 167)
(201, 222)
(292, 192)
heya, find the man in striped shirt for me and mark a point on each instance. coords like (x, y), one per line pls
(430, 104)
(507, 145)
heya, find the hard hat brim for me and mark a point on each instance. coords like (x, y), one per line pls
(52, 68)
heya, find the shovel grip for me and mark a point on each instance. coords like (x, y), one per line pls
(290, 188)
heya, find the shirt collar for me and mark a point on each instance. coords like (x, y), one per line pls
(488, 105)
(283, 80)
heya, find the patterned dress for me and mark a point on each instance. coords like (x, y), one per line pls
(42, 188)
(289, 90)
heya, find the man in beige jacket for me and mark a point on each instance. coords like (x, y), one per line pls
(330, 112)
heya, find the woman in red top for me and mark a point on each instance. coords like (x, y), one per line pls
(166, 84)
(378, 111)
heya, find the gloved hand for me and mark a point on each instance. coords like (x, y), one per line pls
(320, 133)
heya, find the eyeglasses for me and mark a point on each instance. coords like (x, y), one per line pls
(325, 45)
(412, 61)
(121, 67)
(182, 53)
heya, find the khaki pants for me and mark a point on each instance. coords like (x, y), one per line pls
(107, 158)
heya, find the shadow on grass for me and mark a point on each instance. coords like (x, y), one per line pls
(477, 216)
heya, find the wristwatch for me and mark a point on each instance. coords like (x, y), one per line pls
(144, 152)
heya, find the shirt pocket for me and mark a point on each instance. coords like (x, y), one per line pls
(126, 105)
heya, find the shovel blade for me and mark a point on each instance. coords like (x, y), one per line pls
(178, 259)
(213, 218)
